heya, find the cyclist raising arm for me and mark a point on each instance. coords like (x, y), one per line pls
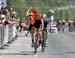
(37, 24)
(38, 21)
(30, 14)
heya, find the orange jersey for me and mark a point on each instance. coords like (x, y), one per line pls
(38, 16)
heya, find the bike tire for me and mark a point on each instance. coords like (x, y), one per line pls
(43, 42)
(35, 44)
(35, 50)
(43, 49)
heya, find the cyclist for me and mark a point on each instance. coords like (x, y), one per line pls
(63, 24)
(48, 19)
(38, 21)
(37, 24)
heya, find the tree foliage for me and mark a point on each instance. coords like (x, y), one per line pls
(21, 7)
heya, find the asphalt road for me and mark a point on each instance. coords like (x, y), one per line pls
(60, 45)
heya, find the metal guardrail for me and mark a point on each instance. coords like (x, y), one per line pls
(10, 32)
(1, 35)
(6, 34)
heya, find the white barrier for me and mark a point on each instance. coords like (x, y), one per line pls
(7, 33)
(1, 35)
(10, 32)
(14, 31)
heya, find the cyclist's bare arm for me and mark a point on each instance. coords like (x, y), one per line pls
(28, 11)
(12, 22)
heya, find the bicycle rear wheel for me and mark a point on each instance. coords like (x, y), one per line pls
(35, 50)
(35, 43)
(43, 41)
(43, 48)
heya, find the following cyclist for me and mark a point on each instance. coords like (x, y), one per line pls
(48, 19)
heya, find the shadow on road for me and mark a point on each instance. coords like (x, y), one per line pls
(19, 53)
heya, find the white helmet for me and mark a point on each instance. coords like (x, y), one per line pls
(52, 11)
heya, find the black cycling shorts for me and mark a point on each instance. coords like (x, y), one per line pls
(37, 24)
(45, 24)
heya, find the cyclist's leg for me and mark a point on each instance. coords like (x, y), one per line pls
(45, 27)
(46, 31)
(32, 35)
(39, 33)
(37, 26)
(39, 36)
